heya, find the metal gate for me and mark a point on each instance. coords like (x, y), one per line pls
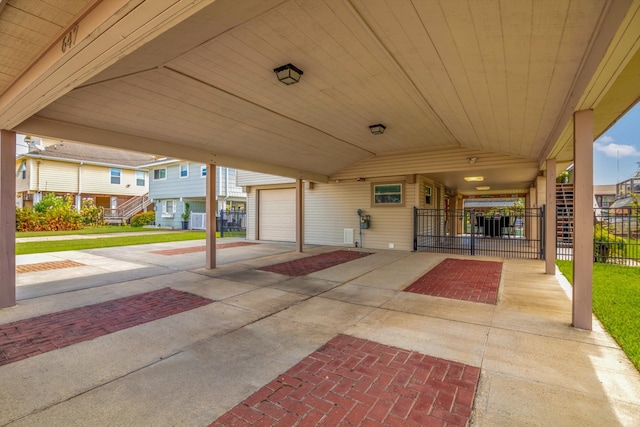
(506, 233)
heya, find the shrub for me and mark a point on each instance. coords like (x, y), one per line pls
(142, 219)
(607, 245)
(91, 214)
(50, 214)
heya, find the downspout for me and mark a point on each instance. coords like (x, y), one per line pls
(38, 191)
(79, 202)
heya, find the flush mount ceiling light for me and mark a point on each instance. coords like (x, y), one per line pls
(288, 74)
(483, 188)
(377, 129)
(474, 178)
(472, 160)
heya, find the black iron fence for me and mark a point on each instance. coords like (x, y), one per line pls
(506, 233)
(616, 237)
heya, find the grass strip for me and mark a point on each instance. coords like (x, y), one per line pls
(25, 248)
(88, 230)
(616, 303)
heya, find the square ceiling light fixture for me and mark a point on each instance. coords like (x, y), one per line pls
(377, 129)
(288, 74)
(474, 178)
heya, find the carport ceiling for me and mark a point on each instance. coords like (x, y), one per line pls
(489, 76)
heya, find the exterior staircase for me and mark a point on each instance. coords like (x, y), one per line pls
(123, 213)
(564, 214)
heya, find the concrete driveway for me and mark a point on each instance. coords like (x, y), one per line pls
(245, 334)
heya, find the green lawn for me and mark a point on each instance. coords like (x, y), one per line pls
(92, 230)
(616, 303)
(37, 247)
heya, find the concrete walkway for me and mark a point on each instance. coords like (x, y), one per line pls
(193, 367)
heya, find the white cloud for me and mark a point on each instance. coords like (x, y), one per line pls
(606, 139)
(606, 145)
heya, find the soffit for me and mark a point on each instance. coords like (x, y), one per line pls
(479, 75)
(28, 28)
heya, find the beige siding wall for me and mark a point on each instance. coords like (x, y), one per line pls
(330, 208)
(246, 178)
(97, 180)
(22, 184)
(57, 176)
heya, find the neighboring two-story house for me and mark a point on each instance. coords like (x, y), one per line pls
(113, 179)
(174, 183)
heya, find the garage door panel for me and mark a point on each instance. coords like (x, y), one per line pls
(277, 215)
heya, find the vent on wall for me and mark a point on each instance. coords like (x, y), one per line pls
(348, 235)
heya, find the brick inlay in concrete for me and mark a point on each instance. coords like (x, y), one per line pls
(308, 265)
(181, 251)
(467, 280)
(37, 335)
(351, 381)
(44, 266)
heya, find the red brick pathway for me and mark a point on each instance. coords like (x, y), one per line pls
(44, 266)
(193, 249)
(37, 335)
(350, 381)
(466, 280)
(308, 265)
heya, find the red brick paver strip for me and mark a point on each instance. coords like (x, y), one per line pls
(308, 265)
(44, 266)
(181, 251)
(351, 381)
(461, 279)
(37, 335)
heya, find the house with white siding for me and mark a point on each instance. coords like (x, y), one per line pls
(112, 178)
(175, 183)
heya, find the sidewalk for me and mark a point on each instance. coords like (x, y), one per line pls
(261, 331)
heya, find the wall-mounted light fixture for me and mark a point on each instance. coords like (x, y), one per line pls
(377, 129)
(288, 74)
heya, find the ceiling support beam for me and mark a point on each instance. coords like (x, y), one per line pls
(211, 212)
(550, 219)
(8, 218)
(299, 215)
(73, 132)
(583, 219)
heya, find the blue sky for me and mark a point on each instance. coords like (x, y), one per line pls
(617, 152)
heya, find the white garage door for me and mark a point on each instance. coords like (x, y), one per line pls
(278, 215)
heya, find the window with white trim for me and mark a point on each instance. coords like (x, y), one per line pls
(184, 170)
(159, 174)
(168, 208)
(140, 178)
(115, 175)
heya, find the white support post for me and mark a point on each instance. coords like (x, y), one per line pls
(7, 218)
(583, 219)
(299, 216)
(211, 217)
(550, 219)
